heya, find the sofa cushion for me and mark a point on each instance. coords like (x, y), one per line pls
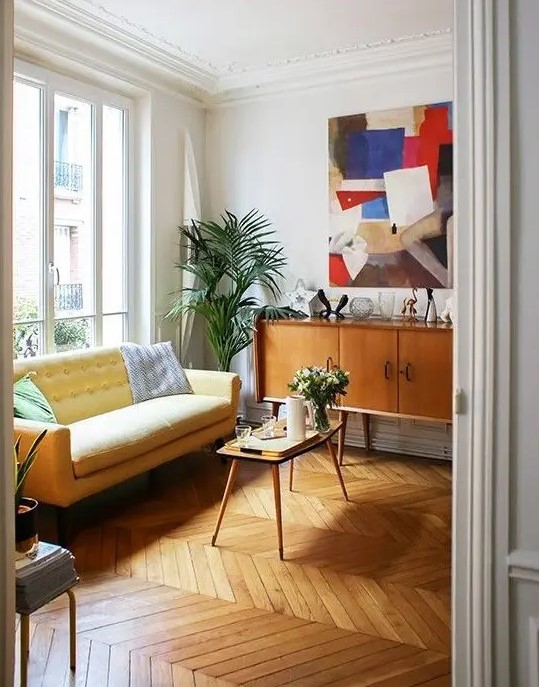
(29, 403)
(105, 440)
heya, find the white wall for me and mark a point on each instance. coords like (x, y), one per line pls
(272, 154)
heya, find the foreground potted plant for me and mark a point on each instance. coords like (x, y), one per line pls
(321, 387)
(25, 508)
(227, 260)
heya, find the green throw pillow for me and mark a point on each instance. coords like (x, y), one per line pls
(29, 403)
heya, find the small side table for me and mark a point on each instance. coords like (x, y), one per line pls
(54, 575)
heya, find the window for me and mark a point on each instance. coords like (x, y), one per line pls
(70, 215)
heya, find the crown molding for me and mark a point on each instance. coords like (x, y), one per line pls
(59, 32)
(62, 30)
(371, 61)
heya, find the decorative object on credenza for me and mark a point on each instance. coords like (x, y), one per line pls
(386, 302)
(447, 313)
(300, 297)
(391, 197)
(361, 308)
(328, 311)
(409, 311)
(431, 314)
(321, 386)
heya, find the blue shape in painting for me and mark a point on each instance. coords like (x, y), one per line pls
(373, 152)
(375, 209)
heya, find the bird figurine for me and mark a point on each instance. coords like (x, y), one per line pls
(409, 311)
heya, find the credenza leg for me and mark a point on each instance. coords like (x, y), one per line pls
(343, 417)
(367, 430)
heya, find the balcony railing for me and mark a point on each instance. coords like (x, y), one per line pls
(68, 297)
(68, 176)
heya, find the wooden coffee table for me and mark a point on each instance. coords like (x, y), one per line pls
(305, 446)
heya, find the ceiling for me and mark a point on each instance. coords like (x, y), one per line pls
(233, 36)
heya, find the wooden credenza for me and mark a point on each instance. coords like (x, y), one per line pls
(397, 368)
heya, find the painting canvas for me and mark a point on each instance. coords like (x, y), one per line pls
(391, 198)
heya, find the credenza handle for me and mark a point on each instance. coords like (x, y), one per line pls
(387, 369)
(329, 363)
(407, 372)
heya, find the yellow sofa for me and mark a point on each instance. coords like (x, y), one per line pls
(102, 438)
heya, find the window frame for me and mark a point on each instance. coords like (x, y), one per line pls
(50, 84)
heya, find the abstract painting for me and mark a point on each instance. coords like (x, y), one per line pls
(391, 198)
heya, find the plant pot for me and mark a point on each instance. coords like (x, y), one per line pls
(26, 525)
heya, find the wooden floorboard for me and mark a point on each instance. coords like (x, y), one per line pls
(361, 599)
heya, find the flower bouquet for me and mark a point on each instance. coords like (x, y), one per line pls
(321, 387)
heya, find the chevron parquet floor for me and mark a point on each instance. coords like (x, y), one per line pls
(362, 598)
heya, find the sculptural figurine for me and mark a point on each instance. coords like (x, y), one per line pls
(431, 314)
(447, 314)
(408, 309)
(328, 310)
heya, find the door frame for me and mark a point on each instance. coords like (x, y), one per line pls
(480, 651)
(7, 507)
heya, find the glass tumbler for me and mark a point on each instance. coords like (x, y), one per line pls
(386, 301)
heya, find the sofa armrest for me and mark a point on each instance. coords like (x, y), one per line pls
(211, 383)
(52, 473)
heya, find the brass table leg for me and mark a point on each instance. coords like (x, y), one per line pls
(291, 477)
(337, 467)
(25, 647)
(72, 629)
(278, 515)
(229, 486)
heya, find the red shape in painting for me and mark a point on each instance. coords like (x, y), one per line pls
(350, 199)
(410, 155)
(338, 274)
(433, 132)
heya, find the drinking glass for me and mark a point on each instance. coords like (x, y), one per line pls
(243, 432)
(386, 300)
(268, 425)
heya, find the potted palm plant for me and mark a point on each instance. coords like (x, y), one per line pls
(227, 260)
(25, 508)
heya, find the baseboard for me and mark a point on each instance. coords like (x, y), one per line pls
(394, 435)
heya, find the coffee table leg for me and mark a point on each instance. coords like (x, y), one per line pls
(278, 515)
(333, 455)
(229, 486)
(291, 477)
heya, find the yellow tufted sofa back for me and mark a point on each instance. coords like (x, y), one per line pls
(80, 384)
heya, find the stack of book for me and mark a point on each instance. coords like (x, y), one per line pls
(42, 576)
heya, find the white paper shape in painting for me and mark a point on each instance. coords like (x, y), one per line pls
(355, 256)
(343, 228)
(409, 196)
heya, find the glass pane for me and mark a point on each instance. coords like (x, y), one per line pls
(113, 329)
(113, 210)
(27, 339)
(27, 203)
(71, 335)
(73, 207)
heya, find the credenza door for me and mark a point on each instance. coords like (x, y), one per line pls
(284, 347)
(426, 374)
(370, 355)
